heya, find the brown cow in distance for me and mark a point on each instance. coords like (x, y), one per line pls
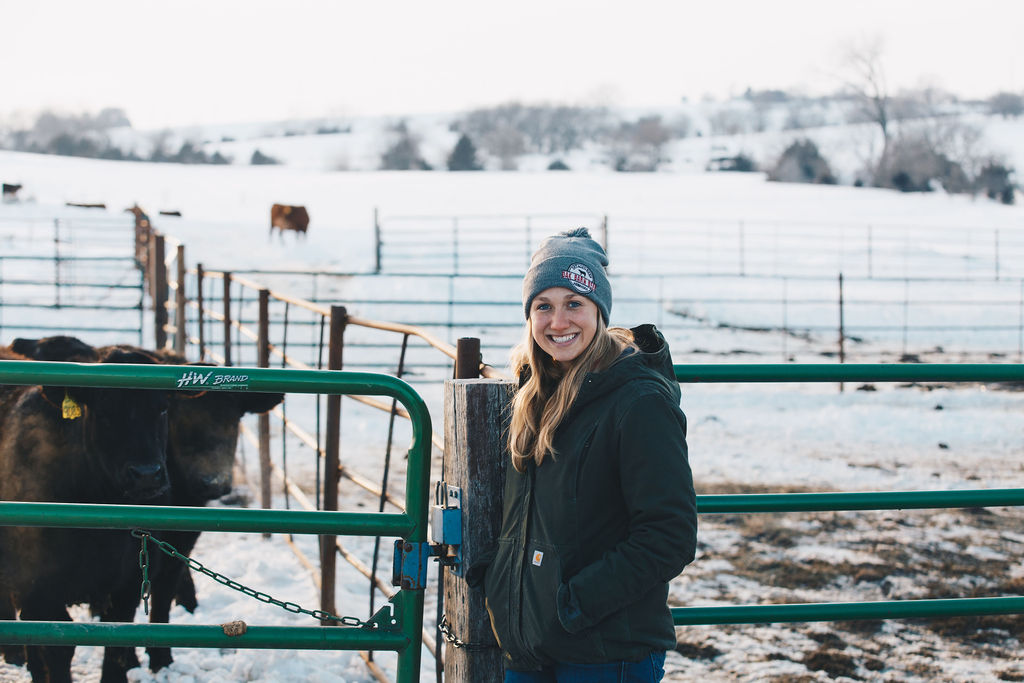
(284, 217)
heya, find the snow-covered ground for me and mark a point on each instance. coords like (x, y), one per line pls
(778, 436)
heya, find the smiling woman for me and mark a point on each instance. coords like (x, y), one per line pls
(599, 507)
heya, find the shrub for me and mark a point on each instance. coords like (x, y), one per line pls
(740, 163)
(1006, 104)
(994, 180)
(558, 165)
(404, 154)
(802, 163)
(261, 159)
(912, 164)
(463, 157)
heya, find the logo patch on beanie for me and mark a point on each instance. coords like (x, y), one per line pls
(580, 277)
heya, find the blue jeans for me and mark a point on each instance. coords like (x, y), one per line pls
(647, 670)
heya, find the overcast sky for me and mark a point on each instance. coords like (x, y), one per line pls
(219, 61)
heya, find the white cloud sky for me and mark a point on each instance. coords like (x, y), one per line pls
(195, 61)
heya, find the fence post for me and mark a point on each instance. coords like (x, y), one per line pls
(143, 238)
(56, 261)
(604, 233)
(179, 303)
(200, 311)
(475, 456)
(742, 250)
(227, 318)
(785, 320)
(159, 292)
(455, 245)
(263, 361)
(376, 240)
(332, 461)
(1020, 324)
(870, 264)
(467, 358)
(842, 330)
(997, 255)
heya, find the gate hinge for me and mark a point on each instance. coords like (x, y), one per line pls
(410, 566)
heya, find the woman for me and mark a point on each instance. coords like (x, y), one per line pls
(599, 509)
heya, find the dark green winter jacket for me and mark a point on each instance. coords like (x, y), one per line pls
(591, 538)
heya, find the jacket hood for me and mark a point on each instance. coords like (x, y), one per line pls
(652, 363)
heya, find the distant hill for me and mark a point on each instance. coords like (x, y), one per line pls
(748, 133)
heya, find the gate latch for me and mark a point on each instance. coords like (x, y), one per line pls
(410, 563)
(446, 526)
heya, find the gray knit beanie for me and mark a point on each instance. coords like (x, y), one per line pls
(572, 260)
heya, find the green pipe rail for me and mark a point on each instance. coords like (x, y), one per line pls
(398, 631)
(850, 372)
(861, 500)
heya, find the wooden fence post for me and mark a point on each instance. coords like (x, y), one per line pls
(604, 233)
(227, 318)
(200, 312)
(263, 361)
(467, 358)
(332, 462)
(842, 329)
(179, 302)
(376, 240)
(159, 291)
(475, 456)
(56, 261)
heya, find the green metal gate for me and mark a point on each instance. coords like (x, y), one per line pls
(396, 627)
(868, 500)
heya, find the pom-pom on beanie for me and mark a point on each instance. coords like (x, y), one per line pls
(573, 260)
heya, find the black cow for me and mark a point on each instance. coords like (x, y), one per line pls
(75, 445)
(202, 439)
(10, 192)
(200, 457)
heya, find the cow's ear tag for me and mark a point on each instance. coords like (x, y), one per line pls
(70, 410)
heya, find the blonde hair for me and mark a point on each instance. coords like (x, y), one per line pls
(544, 399)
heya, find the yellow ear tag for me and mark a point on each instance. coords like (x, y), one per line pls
(70, 410)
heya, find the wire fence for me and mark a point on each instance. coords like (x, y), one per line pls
(480, 245)
(790, 318)
(70, 273)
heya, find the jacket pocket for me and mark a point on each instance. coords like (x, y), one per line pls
(542, 631)
(502, 589)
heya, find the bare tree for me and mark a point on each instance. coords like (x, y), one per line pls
(506, 143)
(730, 122)
(864, 76)
(639, 144)
(404, 152)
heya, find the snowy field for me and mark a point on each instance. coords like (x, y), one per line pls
(742, 437)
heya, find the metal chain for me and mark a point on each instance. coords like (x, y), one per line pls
(230, 583)
(446, 630)
(144, 591)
